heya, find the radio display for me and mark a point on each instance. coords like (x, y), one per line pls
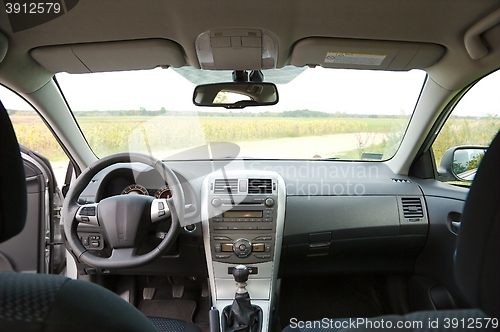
(242, 214)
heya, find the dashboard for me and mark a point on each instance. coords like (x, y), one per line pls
(337, 217)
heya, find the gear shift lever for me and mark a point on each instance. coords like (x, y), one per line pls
(240, 274)
(241, 316)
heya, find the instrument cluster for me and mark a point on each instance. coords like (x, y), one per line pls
(137, 189)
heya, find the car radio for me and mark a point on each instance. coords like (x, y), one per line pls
(242, 220)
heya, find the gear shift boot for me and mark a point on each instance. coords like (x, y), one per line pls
(242, 316)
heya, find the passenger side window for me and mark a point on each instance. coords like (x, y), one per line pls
(32, 132)
(467, 133)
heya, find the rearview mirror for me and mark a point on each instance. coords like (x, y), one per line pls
(461, 163)
(236, 94)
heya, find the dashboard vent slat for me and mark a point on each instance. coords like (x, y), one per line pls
(412, 207)
(226, 186)
(260, 186)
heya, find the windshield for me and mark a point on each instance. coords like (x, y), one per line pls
(321, 113)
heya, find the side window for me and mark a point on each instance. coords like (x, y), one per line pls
(467, 133)
(32, 132)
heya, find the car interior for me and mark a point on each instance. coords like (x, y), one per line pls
(227, 166)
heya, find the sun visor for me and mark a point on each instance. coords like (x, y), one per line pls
(4, 44)
(110, 56)
(364, 54)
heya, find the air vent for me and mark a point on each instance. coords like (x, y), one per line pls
(412, 208)
(226, 186)
(400, 180)
(260, 186)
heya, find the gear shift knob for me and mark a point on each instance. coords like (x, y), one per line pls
(240, 273)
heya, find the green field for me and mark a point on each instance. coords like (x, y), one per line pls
(109, 134)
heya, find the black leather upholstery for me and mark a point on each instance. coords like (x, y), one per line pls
(477, 265)
(38, 302)
(12, 181)
(478, 251)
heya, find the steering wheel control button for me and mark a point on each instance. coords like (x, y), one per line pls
(88, 214)
(242, 248)
(159, 210)
(87, 211)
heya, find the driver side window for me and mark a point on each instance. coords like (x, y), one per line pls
(32, 132)
(467, 133)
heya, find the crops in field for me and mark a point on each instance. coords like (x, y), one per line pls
(111, 134)
(458, 132)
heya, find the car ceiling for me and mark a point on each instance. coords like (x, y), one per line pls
(440, 22)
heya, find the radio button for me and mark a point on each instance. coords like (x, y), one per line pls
(217, 247)
(222, 256)
(269, 202)
(265, 228)
(220, 228)
(242, 248)
(221, 238)
(263, 238)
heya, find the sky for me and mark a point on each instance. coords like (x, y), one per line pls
(326, 90)
(318, 89)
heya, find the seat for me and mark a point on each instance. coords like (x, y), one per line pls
(39, 302)
(477, 263)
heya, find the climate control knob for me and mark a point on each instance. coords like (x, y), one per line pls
(216, 202)
(269, 202)
(242, 248)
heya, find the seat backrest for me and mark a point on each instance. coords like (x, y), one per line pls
(12, 181)
(478, 251)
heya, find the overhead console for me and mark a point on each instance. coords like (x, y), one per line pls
(243, 217)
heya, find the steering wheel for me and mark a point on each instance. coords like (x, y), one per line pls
(125, 219)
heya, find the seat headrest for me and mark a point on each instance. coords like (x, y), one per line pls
(12, 181)
(478, 252)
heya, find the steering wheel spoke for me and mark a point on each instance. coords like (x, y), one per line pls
(87, 214)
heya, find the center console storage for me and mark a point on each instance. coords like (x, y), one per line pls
(243, 217)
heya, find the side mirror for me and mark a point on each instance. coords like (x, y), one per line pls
(236, 94)
(460, 163)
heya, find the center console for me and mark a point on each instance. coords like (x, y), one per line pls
(243, 217)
